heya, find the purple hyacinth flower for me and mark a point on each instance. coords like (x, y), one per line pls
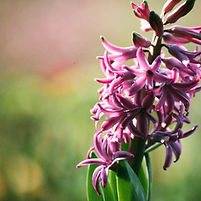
(108, 150)
(173, 146)
(170, 94)
(146, 74)
(121, 112)
(172, 143)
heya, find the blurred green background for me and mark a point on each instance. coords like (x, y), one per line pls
(47, 71)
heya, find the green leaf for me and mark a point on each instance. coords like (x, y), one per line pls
(129, 187)
(107, 192)
(124, 146)
(113, 184)
(91, 193)
(148, 163)
(143, 177)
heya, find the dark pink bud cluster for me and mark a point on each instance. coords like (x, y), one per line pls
(155, 89)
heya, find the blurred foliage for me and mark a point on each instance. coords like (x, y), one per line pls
(43, 133)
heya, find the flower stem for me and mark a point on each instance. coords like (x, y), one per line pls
(156, 49)
(138, 144)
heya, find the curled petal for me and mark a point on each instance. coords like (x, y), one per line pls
(107, 62)
(190, 132)
(161, 101)
(168, 158)
(110, 122)
(113, 48)
(89, 152)
(129, 118)
(104, 176)
(128, 104)
(108, 112)
(134, 130)
(96, 178)
(122, 154)
(176, 147)
(186, 86)
(91, 161)
(151, 117)
(105, 80)
(98, 145)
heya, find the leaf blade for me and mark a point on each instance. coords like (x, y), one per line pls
(91, 193)
(148, 164)
(129, 187)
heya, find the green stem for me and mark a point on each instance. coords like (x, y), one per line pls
(156, 49)
(138, 144)
(138, 147)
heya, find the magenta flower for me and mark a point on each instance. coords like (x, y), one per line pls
(172, 93)
(172, 144)
(145, 73)
(171, 139)
(108, 149)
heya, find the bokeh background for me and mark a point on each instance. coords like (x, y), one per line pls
(47, 71)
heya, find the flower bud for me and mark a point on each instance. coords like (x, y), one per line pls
(181, 11)
(185, 32)
(140, 41)
(169, 5)
(156, 23)
(141, 11)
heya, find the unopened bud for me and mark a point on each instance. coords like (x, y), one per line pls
(169, 5)
(141, 11)
(156, 23)
(140, 41)
(181, 11)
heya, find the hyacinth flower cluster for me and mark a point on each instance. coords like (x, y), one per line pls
(145, 104)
